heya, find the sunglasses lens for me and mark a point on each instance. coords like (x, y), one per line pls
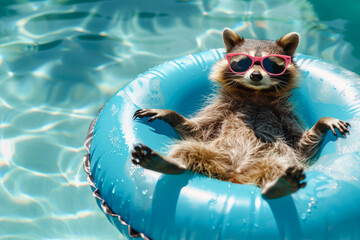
(274, 65)
(240, 63)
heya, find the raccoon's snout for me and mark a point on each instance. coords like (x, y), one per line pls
(256, 76)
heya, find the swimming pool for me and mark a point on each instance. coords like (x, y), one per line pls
(61, 60)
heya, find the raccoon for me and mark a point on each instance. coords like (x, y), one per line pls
(248, 133)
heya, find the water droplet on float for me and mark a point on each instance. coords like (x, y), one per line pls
(99, 167)
(212, 203)
(144, 192)
(256, 225)
(114, 190)
(303, 216)
(244, 220)
(309, 210)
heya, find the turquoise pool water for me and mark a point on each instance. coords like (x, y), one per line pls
(61, 60)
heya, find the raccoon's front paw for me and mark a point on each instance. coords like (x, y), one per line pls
(327, 123)
(162, 114)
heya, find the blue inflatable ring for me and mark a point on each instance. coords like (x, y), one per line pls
(147, 204)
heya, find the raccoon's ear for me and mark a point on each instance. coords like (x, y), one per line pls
(289, 42)
(231, 39)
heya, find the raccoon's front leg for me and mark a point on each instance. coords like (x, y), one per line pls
(178, 122)
(144, 156)
(310, 141)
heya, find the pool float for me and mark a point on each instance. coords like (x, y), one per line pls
(147, 204)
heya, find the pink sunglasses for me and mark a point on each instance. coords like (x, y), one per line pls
(240, 63)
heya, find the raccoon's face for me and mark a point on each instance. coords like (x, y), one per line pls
(257, 65)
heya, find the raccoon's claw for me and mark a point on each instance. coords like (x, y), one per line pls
(143, 113)
(161, 114)
(333, 124)
(341, 127)
(152, 113)
(136, 114)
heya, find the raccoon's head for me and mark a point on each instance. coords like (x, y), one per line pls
(256, 65)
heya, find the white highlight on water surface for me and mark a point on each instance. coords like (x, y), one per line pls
(7, 151)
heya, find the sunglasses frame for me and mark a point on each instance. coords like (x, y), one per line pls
(258, 59)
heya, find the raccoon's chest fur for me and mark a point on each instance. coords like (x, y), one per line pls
(266, 125)
(232, 123)
(249, 124)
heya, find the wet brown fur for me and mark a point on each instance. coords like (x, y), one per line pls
(245, 134)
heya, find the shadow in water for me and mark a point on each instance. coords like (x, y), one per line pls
(160, 127)
(287, 218)
(165, 199)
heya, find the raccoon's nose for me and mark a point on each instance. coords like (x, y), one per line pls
(256, 76)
